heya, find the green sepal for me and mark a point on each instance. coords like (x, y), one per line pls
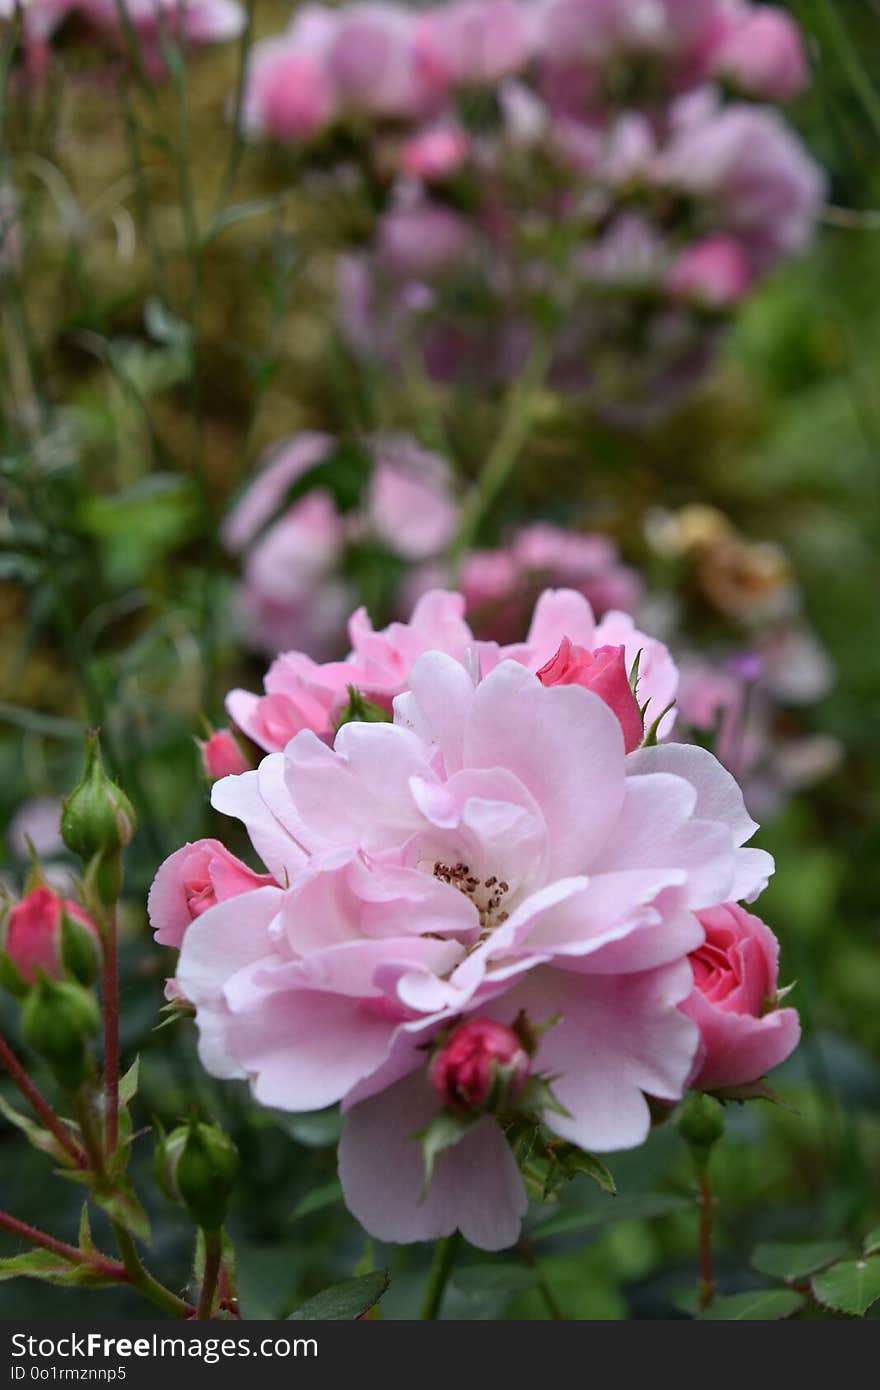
(443, 1132)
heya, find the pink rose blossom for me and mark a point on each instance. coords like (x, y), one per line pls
(469, 1064)
(34, 929)
(743, 1034)
(191, 881)
(493, 851)
(222, 755)
(301, 694)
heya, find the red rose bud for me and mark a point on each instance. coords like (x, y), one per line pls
(481, 1066)
(48, 933)
(222, 756)
(604, 672)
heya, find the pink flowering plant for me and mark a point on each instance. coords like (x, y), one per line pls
(425, 471)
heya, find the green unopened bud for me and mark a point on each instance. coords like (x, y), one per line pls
(57, 1020)
(80, 950)
(97, 818)
(701, 1124)
(361, 710)
(197, 1165)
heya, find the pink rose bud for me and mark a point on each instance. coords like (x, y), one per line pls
(742, 1032)
(714, 272)
(222, 756)
(481, 1063)
(763, 54)
(604, 672)
(53, 935)
(194, 879)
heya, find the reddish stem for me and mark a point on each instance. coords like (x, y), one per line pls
(40, 1105)
(34, 1236)
(110, 997)
(705, 1200)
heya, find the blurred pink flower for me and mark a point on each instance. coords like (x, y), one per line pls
(713, 272)
(752, 173)
(760, 49)
(435, 153)
(294, 593)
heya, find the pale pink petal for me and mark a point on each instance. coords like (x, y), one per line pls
(476, 1187)
(564, 745)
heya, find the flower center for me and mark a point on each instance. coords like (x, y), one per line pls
(487, 895)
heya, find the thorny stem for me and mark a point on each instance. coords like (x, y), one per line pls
(213, 1259)
(85, 1115)
(144, 1282)
(110, 1000)
(441, 1268)
(34, 1236)
(40, 1105)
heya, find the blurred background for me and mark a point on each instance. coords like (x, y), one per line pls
(128, 434)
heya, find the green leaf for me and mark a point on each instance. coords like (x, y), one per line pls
(872, 1241)
(129, 1083)
(849, 1287)
(641, 1208)
(792, 1262)
(327, 1195)
(51, 1269)
(345, 1301)
(759, 1305)
(444, 1131)
(123, 1206)
(36, 1136)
